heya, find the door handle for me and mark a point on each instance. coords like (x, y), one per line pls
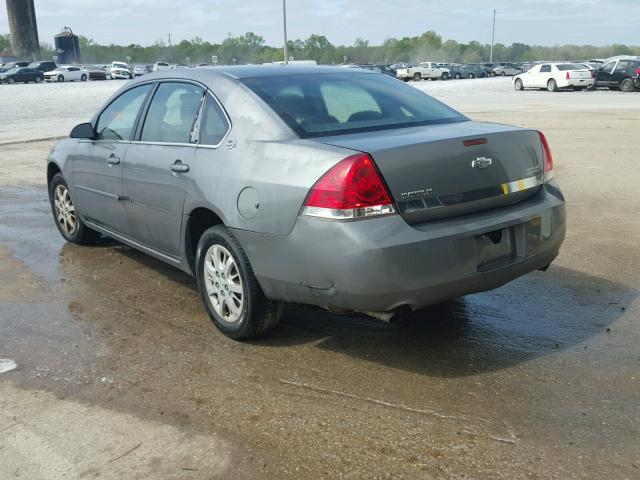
(113, 160)
(178, 167)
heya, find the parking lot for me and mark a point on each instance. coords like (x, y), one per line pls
(120, 374)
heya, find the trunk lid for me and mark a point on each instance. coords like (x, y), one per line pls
(578, 74)
(441, 171)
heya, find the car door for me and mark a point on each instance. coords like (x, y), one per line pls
(531, 78)
(74, 74)
(156, 173)
(98, 163)
(603, 74)
(620, 72)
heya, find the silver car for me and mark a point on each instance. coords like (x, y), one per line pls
(341, 188)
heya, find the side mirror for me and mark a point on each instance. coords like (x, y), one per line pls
(84, 130)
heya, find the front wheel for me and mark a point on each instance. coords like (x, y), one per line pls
(232, 297)
(444, 76)
(70, 226)
(60, 78)
(627, 85)
(38, 80)
(471, 76)
(518, 84)
(552, 86)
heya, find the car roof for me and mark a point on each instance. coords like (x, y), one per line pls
(250, 71)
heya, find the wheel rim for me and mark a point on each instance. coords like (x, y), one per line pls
(223, 283)
(65, 210)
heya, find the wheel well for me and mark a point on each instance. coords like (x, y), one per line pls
(52, 169)
(199, 220)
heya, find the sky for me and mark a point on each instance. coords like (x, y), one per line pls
(540, 22)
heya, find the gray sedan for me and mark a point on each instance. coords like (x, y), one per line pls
(341, 188)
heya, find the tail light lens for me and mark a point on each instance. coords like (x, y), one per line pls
(637, 71)
(593, 73)
(351, 189)
(547, 158)
(568, 76)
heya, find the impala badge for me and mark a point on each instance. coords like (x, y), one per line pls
(481, 162)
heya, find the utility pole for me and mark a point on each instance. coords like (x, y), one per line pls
(170, 56)
(493, 36)
(284, 23)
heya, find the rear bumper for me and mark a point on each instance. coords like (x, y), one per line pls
(576, 82)
(382, 264)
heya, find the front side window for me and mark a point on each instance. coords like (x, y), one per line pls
(608, 68)
(172, 113)
(116, 122)
(214, 124)
(321, 104)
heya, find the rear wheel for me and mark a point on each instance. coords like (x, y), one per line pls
(230, 292)
(457, 76)
(627, 85)
(444, 76)
(503, 74)
(417, 77)
(552, 86)
(38, 80)
(518, 84)
(69, 224)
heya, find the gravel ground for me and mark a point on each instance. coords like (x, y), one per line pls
(31, 112)
(120, 375)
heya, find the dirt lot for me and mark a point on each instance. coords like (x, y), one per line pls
(120, 375)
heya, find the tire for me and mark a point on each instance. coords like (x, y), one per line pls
(504, 74)
(252, 313)
(11, 80)
(60, 78)
(444, 76)
(417, 77)
(76, 231)
(518, 85)
(458, 76)
(83, 78)
(627, 85)
(38, 80)
(552, 86)
(406, 79)
(471, 76)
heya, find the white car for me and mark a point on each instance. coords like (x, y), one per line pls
(554, 76)
(160, 66)
(66, 74)
(424, 70)
(139, 70)
(119, 70)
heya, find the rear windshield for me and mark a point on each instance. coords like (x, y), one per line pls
(324, 104)
(570, 66)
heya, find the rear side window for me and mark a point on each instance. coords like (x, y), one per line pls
(172, 113)
(214, 124)
(545, 68)
(323, 104)
(117, 120)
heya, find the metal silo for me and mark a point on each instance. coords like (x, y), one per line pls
(67, 47)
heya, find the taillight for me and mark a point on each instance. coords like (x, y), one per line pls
(568, 76)
(546, 157)
(350, 189)
(593, 73)
(637, 71)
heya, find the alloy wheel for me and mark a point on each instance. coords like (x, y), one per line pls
(223, 283)
(65, 210)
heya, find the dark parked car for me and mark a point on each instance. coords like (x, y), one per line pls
(618, 74)
(97, 72)
(467, 71)
(11, 65)
(43, 66)
(21, 75)
(329, 186)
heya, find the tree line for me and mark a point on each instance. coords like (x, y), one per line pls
(252, 48)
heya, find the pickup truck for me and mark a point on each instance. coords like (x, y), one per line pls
(424, 70)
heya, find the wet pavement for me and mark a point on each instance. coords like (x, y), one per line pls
(121, 375)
